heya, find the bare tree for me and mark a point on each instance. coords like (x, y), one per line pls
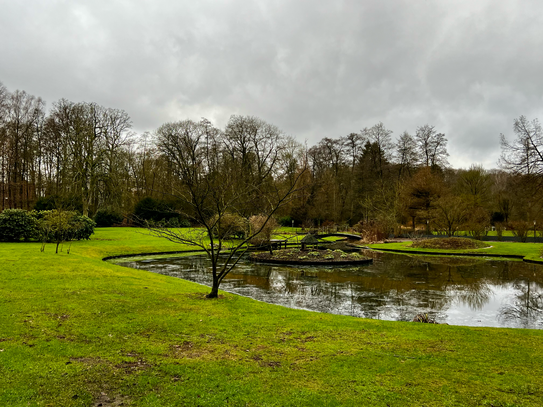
(406, 153)
(380, 146)
(449, 214)
(92, 138)
(21, 120)
(354, 143)
(432, 146)
(525, 154)
(474, 185)
(201, 158)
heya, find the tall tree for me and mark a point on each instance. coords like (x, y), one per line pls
(406, 154)
(93, 137)
(22, 120)
(524, 155)
(379, 147)
(432, 146)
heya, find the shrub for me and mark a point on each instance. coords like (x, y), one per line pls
(156, 210)
(61, 226)
(107, 218)
(55, 227)
(373, 231)
(520, 229)
(17, 225)
(230, 225)
(82, 227)
(285, 221)
(257, 222)
(478, 223)
(48, 203)
(176, 223)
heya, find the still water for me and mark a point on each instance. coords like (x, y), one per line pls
(457, 291)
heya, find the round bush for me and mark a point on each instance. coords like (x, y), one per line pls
(107, 218)
(17, 225)
(83, 227)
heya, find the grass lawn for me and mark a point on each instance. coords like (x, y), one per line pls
(530, 251)
(77, 331)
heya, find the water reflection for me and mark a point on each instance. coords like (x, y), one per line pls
(525, 307)
(459, 291)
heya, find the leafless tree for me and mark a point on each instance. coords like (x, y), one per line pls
(525, 154)
(449, 214)
(201, 158)
(432, 146)
(406, 153)
(93, 137)
(381, 146)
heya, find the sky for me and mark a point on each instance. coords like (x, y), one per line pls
(314, 68)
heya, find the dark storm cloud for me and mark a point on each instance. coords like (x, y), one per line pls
(314, 68)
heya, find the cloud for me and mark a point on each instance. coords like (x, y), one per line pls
(314, 68)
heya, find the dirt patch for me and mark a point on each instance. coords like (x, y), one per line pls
(272, 364)
(450, 243)
(103, 400)
(133, 367)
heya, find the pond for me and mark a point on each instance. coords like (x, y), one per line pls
(457, 291)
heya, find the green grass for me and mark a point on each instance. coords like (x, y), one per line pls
(530, 251)
(77, 331)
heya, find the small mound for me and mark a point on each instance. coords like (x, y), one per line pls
(312, 256)
(450, 243)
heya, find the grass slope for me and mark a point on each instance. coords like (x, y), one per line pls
(77, 331)
(530, 251)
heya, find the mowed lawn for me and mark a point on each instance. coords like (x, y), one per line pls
(529, 251)
(78, 331)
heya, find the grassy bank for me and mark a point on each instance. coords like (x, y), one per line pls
(530, 251)
(77, 331)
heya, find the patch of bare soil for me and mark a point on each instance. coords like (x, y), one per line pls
(104, 400)
(450, 243)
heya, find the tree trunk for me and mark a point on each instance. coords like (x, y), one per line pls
(214, 289)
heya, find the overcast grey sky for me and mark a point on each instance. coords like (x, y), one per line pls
(315, 68)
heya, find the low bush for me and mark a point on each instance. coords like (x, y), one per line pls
(17, 225)
(373, 231)
(520, 229)
(257, 222)
(176, 223)
(156, 210)
(63, 226)
(107, 218)
(285, 221)
(230, 225)
(82, 227)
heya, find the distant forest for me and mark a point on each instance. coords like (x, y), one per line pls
(85, 157)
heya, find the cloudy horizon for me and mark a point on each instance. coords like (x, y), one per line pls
(314, 68)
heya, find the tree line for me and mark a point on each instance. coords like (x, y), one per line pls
(86, 157)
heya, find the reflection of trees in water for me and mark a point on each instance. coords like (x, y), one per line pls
(395, 287)
(526, 308)
(475, 296)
